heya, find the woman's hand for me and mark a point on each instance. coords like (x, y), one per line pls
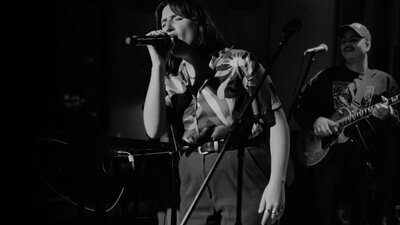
(272, 203)
(159, 54)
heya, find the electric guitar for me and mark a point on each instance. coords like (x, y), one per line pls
(311, 149)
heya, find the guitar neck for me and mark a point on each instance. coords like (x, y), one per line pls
(363, 113)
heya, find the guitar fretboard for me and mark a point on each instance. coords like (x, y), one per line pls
(361, 114)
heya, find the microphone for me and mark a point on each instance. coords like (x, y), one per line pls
(320, 48)
(148, 40)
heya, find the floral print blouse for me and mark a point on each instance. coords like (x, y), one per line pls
(208, 114)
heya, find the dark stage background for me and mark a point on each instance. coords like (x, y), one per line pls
(89, 86)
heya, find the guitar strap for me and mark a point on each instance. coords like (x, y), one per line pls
(365, 90)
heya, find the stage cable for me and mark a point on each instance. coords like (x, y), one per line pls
(74, 203)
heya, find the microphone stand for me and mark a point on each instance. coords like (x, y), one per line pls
(311, 60)
(174, 163)
(289, 29)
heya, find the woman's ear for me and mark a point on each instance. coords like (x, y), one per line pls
(368, 45)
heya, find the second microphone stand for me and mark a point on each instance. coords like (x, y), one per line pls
(299, 86)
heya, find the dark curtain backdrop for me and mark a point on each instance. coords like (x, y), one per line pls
(80, 51)
(383, 21)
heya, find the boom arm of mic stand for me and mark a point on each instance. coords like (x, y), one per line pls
(232, 129)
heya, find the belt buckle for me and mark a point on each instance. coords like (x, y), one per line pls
(201, 152)
(215, 148)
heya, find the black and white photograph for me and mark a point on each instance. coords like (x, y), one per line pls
(210, 112)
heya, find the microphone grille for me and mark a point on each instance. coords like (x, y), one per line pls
(324, 46)
(128, 40)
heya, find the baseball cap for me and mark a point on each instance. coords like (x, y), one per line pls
(358, 28)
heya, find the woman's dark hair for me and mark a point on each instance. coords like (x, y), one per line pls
(209, 41)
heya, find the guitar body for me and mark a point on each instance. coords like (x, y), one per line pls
(311, 149)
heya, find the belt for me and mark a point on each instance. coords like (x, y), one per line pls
(216, 146)
(211, 146)
(208, 147)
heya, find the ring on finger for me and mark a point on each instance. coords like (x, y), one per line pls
(276, 212)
